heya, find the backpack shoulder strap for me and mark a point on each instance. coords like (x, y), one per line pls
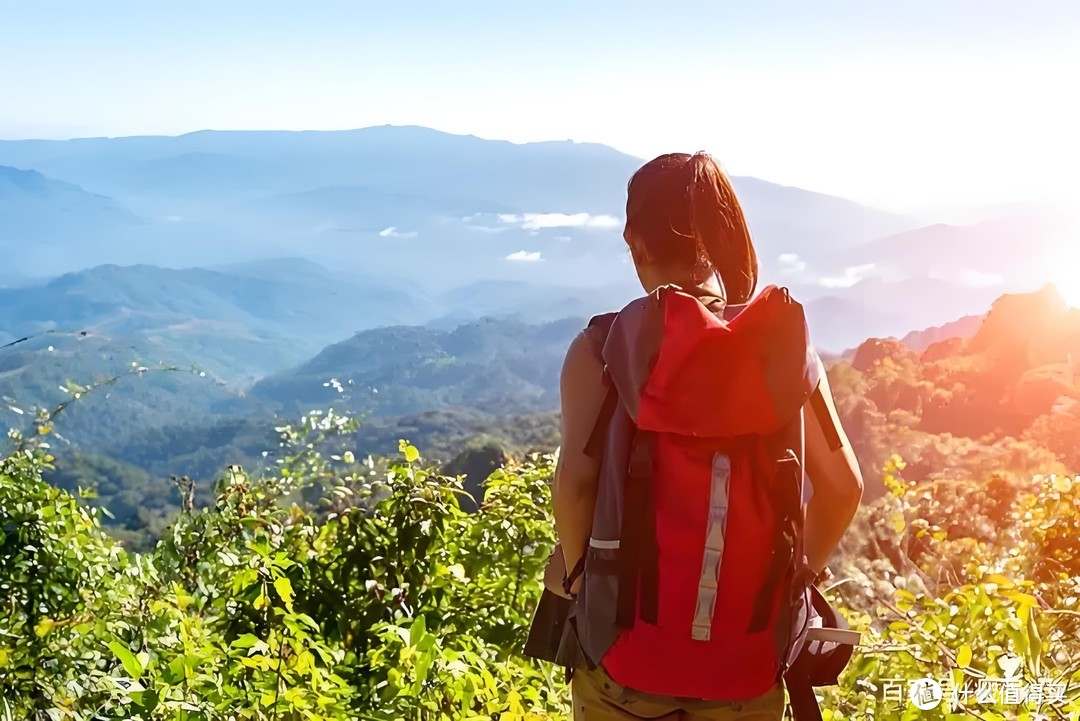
(594, 447)
(597, 333)
(820, 407)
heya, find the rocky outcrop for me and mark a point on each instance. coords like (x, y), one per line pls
(948, 348)
(1020, 363)
(1024, 331)
(875, 350)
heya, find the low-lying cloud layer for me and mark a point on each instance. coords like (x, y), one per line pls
(539, 221)
(850, 277)
(393, 232)
(525, 256)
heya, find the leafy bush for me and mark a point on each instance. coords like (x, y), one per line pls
(335, 587)
(973, 585)
(388, 602)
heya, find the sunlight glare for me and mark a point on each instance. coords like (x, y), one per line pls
(1065, 272)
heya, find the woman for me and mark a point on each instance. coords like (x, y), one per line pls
(685, 228)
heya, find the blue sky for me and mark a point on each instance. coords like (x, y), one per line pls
(911, 106)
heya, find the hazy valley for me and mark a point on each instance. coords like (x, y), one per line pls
(430, 283)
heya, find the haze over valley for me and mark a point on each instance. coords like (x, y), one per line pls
(299, 238)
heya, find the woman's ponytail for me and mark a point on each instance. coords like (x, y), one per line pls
(718, 224)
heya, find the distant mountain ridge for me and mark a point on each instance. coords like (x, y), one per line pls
(405, 200)
(442, 219)
(963, 328)
(46, 223)
(241, 326)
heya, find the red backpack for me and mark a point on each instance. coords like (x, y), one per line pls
(695, 582)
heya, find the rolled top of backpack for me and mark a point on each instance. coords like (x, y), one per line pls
(681, 369)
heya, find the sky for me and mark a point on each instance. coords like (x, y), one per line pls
(917, 107)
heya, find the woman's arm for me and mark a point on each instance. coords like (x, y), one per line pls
(574, 488)
(834, 473)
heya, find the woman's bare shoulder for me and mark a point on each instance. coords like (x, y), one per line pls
(583, 359)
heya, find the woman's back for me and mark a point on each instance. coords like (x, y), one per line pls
(682, 558)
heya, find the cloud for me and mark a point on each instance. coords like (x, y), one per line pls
(525, 256)
(851, 276)
(538, 221)
(790, 262)
(489, 228)
(393, 232)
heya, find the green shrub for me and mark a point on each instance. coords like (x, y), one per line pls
(337, 588)
(390, 602)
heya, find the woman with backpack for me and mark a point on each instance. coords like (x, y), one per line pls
(691, 421)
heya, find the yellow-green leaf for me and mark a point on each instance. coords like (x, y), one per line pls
(127, 658)
(963, 656)
(411, 454)
(905, 600)
(44, 626)
(284, 589)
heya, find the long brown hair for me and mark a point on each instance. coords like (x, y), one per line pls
(682, 209)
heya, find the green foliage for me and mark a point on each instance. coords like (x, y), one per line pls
(442, 388)
(333, 586)
(387, 601)
(972, 584)
(138, 507)
(976, 641)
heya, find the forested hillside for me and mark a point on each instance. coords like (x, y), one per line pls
(1004, 401)
(971, 397)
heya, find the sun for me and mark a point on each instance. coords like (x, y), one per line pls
(1063, 265)
(1067, 283)
(1070, 293)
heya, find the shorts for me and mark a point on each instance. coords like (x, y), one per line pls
(597, 698)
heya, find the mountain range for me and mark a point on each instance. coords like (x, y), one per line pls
(294, 239)
(224, 361)
(441, 210)
(490, 386)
